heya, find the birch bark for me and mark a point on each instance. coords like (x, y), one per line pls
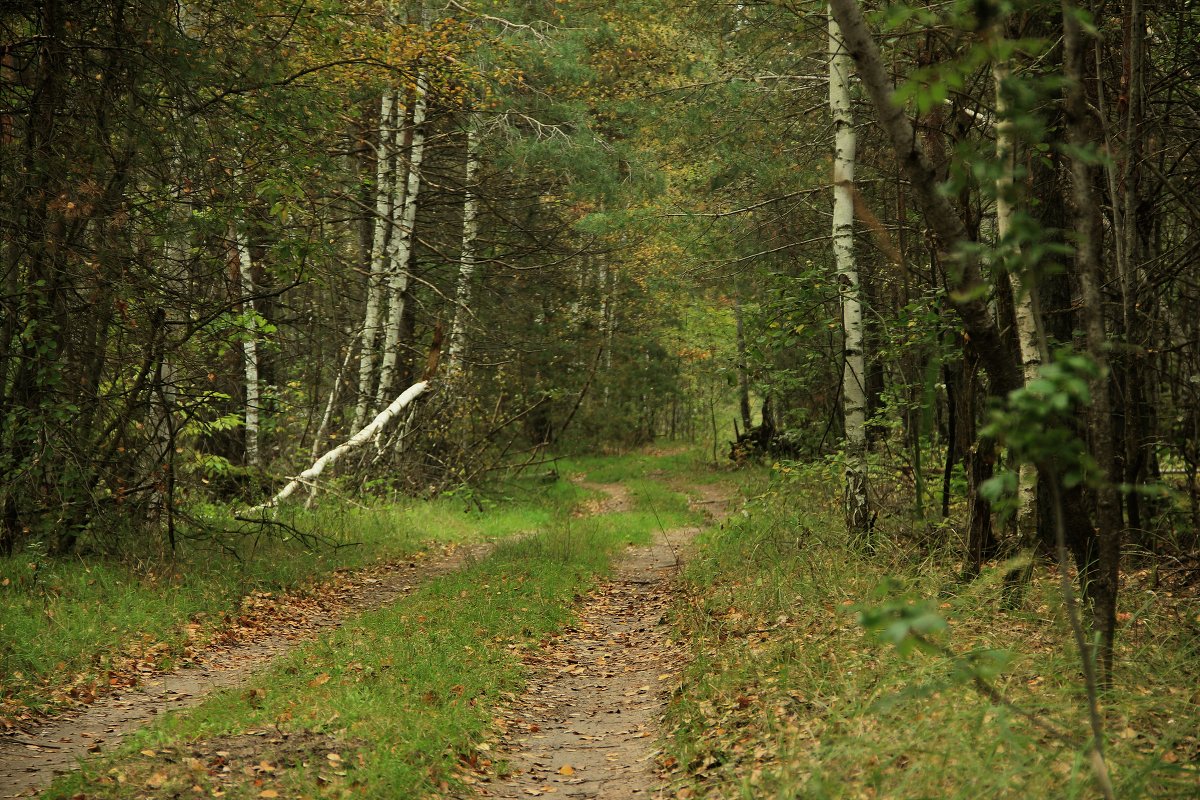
(400, 246)
(854, 401)
(966, 284)
(1023, 300)
(466, 268)
(357, 440)
(376, 281)
(249, 345)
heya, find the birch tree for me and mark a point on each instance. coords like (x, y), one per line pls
(245, 265)
(364, 435)
(854, 400)
(376, 280)
(466, 263)
(400, 246)
(1023, 293)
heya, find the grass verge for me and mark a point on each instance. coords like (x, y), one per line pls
(398, 701)
(107, 614)
(787, 697)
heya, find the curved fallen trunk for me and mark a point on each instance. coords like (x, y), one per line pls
(365, 435)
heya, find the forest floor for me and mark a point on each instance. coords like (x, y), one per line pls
(269, 628)
(586, 724)
(613, 641)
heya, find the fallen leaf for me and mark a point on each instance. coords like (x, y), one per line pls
(156, 780)
(320, 680)
(566, 769)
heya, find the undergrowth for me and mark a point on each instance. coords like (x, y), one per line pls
(788, 696)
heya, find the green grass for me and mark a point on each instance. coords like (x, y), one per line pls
(101, 609)
(669, 461)
(787, 696)
(409, 688)
(404, 695)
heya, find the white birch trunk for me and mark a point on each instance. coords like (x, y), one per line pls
(854, 401)
(376, 281)
(357, 440)
(400, 247)
(466, 264)
(1027, 330)
(249, 346)
(330, 404)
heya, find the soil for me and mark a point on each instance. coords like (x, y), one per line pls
(588, 725)
(30, 759)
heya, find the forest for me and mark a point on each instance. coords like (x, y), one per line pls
(815, 381)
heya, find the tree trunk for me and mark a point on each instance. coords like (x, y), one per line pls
(357, 440)
(743, 378)
(854, 398)
(966, 284)
(1088, 232)
(400, 246)
(245, 268)
(376, 281)
(1025, 314)
(466, 263)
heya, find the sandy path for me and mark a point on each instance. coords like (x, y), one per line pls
(30, 760)
(588, 726)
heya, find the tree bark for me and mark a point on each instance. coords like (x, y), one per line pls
(966, 284)
(1088, 233)
(466, 260)
(245, 267)
(364, 435)
(400, 246)
(377, 280)
(854, 397)
(743, 378)
(1025, 314)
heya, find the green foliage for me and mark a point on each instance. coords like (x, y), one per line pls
(1038, 423)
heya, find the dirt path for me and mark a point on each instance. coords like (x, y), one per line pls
(588, 725)
(30, 759)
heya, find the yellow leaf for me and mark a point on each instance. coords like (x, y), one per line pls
(320, 680)
(566, 769)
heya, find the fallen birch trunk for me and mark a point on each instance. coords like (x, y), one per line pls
(365, 435)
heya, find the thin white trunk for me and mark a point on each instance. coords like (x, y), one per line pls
(377, 280)
(331, 403)
(400, 247)
(357, 440)
(854, 400)
(1027, 331)
(249, 346)
(604, 283)
(327, 416)
(466, 264)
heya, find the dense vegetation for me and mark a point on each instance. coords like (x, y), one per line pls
(235, 231)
